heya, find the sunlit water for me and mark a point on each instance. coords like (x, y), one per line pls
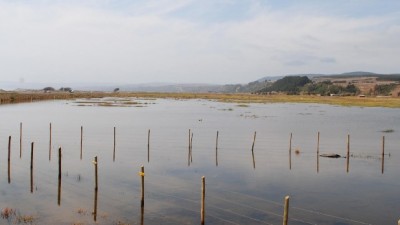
(239, 190)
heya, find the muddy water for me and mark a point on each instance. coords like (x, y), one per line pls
(240, 188)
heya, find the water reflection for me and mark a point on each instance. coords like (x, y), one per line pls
(318, 152)
(216, 150)
(50, 133)
(169, 174)
(290, 152)
(254, 161)
(141, 215)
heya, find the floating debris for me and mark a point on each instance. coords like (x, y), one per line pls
(330, 155)
(388, 131)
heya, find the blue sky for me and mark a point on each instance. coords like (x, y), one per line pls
(187, 41)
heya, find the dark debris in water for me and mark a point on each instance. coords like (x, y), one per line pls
(387, 131)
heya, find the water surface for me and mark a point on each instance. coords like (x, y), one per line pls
(240, 188)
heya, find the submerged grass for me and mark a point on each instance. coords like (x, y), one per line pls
(240, 99)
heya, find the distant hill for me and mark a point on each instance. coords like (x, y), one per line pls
(253, 86)
(382, 77)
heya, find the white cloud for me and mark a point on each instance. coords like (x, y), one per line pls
(146, 43)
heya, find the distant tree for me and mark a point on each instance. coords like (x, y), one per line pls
(289, 84)
(384, 89)
(48, 89)
(116, 89)
(67, 89)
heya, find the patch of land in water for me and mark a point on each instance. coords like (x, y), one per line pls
(390, 102)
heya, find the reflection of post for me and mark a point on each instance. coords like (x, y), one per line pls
(318, 144)
(32, 167)
(50, 144)
(96, 188)
(20, 140)
(59, 176)
(348, 153)
(216, 150)
(383, 154)
(191, 148)
(81, 140)
(254, 140)
(114, 146)
(148, 146)
(290, 152)
(141, 215)
(9, 159)
(286, 211)
(254, 161)
(318, 153)
(142, 178)
(203, 196)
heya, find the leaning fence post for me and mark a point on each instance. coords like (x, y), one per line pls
(254, 140)
(286, 211)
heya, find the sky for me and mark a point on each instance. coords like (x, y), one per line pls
(194, 41)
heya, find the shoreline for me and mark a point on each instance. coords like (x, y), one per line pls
(387, 102)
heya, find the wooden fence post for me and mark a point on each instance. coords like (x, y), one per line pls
(203, 196)
(59, 176)
(286, 211)
(9, 159)
(32, 167)
(254, 140)
(96, 188)
(142, 179)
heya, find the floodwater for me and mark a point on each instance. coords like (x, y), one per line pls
(240, 188)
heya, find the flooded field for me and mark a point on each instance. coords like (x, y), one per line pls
(242, 186)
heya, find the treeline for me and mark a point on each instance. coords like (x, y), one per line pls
(302, 84)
